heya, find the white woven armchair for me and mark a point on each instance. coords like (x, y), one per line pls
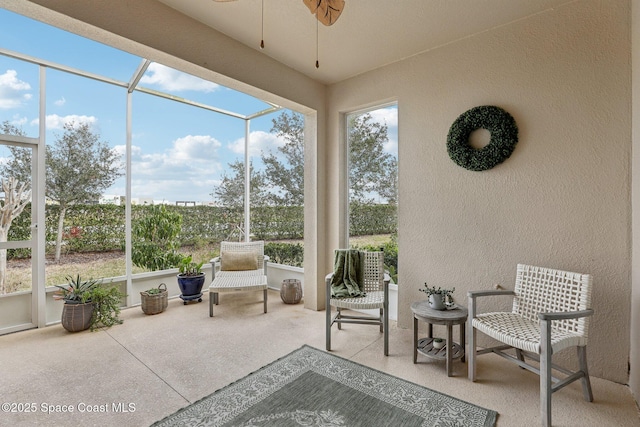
(241, 266)
(376, 285)
(551, 311)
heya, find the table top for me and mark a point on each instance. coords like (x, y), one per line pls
(422, 309)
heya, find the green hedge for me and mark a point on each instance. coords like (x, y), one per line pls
(366, 220)
(98, 228)
(285, 253)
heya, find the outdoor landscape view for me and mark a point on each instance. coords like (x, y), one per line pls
(182, 163)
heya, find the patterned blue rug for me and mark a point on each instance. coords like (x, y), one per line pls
(309, 387)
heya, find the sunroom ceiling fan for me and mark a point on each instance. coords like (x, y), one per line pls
(327, 11)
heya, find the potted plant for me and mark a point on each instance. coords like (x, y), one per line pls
(439, 299)
(78, 308)
(154, 300)
(88, 304)
(438, 343)
(190, 279)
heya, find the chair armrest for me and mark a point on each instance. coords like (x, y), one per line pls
(489, 293)
(486, 293)
(213, 262)
(562, 315)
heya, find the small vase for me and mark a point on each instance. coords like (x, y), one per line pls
(436, 302)
(439, 344)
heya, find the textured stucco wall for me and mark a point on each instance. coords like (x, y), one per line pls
(563, 198)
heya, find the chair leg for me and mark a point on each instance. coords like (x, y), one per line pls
(339, 316)
(471, 332)
(386, 332)
(327, 309)
(586, 382)
(545, 373)
(382, 328)
(211, 304)
(265, 300)
(520, 355)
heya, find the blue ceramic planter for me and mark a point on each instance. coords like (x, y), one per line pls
(191, 287)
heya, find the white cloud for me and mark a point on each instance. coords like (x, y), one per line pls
(55, 121)
(391, 146)
(12, 90)
(186, 155)
(259, 141)
(388, 116)
(189, 170)
(60, 102)
(19, 121)
(176, 81)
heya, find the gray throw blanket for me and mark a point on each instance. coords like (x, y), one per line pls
(347, 274)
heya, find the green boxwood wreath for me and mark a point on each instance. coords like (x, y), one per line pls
(504, 137)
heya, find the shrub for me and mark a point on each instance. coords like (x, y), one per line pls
(285, 253)
(154, 239)
(390, 249)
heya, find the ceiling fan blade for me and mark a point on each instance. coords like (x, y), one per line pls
(328, 11)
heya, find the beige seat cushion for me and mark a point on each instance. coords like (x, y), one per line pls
(238, 261)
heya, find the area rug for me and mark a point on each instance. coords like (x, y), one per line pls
(310, 387)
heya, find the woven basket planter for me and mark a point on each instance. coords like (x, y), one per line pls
(154, 303)
(77, 317)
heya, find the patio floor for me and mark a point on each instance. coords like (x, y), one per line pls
(151, 366)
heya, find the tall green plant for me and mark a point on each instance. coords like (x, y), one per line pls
(155, 241)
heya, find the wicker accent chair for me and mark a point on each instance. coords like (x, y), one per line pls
(376, 286)
(551, 311)
(243, 269)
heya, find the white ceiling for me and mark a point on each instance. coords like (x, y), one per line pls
(368, 34)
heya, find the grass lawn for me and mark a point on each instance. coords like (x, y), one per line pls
(112, 264)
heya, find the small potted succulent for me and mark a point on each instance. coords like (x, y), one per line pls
(78, 308)
(439, 299)
(88, 304)
(190, 279)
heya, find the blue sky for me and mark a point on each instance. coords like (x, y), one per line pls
(179, 152)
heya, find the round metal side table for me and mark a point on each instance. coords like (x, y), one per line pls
(451, 350)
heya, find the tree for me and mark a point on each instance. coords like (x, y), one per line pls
(79, 167)
(286, 179)
(230, 192)
(372, 171)
(16, 196)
